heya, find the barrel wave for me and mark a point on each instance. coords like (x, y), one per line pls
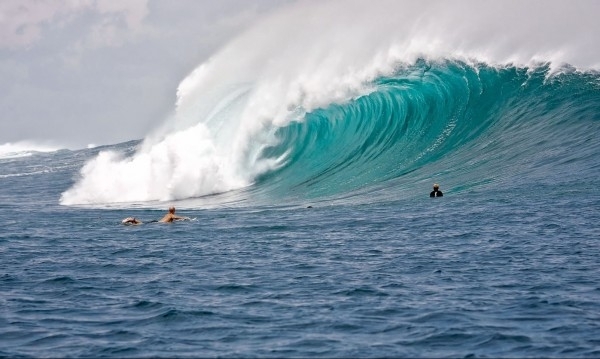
(370, 103)
(463, 125)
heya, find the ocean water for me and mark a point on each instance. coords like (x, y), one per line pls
(338, 251)
(306, 166)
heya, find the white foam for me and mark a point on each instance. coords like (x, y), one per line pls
(308, 56)
(184, 164)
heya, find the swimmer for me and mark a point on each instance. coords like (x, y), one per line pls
(436, 191)
(171, 217)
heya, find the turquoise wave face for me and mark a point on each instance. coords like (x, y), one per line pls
(464, 126)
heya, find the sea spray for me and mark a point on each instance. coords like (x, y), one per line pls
(184, 164)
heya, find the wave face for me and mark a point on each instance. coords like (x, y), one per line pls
(372, 111)
(459, 124)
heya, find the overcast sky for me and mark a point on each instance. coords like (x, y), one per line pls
(76, 72)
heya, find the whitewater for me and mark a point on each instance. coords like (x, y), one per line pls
(306, 149)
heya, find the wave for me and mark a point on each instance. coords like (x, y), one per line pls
(24, 149)
(342, 97)
(465, 125)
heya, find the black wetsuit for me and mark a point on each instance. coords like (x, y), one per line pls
(437, 193)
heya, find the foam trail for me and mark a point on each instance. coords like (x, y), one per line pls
(308, 56)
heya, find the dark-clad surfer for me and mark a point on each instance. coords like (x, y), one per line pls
(436, 191)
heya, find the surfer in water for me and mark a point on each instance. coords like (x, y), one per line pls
(171, 217)
(131, 220)
(436, 191)
(168, 218)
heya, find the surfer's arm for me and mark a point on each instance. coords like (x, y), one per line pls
(180, 218)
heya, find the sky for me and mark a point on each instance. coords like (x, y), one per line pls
(75, 73)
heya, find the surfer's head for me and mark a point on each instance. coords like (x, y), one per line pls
(171, 209)
(436, 186)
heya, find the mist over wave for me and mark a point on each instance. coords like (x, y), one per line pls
(268, 107)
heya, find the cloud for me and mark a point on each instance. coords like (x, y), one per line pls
(117, 15)
(22, 22)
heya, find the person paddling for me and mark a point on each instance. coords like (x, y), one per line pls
(167, 218)
(171, 217)
(131, 220)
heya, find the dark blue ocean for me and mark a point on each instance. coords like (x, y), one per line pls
(339, 251)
